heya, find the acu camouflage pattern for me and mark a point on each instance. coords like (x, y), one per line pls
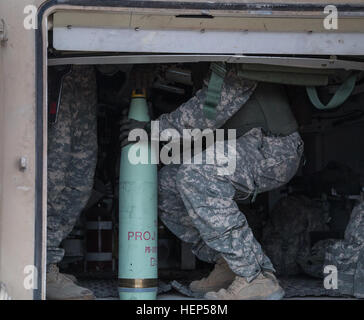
(286, 236)
(72, 156)
(190, 115)
(312, 261)
(197, 204)
(348, 255)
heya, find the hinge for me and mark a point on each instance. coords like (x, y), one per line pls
(3, 34)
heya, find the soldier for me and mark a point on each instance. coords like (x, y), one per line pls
(346, 255)
(197, 204)
(72, 156)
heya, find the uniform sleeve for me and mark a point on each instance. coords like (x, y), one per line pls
(235, 93)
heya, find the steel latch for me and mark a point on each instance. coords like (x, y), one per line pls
(3, 33)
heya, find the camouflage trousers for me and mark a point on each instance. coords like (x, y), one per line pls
(198, 205)
(72, 156)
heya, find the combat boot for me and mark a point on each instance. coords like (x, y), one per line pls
(263, 287)
(71, 277)
(61, 287)
(220, 277)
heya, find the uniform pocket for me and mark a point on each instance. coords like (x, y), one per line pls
(273, 172)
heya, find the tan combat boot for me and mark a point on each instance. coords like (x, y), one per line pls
(263, 287)
(71, 277)
(61, 287)
(220, 277)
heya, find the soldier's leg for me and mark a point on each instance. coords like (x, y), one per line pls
(209, 202)
(80, 176)
(172, 212)
(208, 198)
(59, 147)
(79, 98)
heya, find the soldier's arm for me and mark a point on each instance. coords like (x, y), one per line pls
(235, 93)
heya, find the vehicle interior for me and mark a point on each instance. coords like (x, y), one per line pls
(314, 206)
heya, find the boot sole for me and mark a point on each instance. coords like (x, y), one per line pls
(277, 295)
(212, 289)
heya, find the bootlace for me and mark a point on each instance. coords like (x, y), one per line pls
(236, 285)
(52, 268)
(218, 266)
(60, 277)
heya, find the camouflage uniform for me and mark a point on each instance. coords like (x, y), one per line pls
(72, 155)
(197, 204)
(348, 255)
(312, 260)
(286, 236)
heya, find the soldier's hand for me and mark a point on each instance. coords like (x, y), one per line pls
(127, 125)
